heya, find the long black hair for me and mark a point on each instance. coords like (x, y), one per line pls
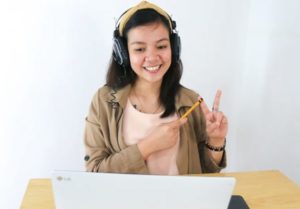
(119, 76)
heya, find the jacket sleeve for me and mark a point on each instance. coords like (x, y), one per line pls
(207, 162)
(101, 155)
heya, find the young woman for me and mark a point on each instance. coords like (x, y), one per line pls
(134, 125)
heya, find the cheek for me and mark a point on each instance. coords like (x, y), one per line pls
(135, 60)
(168, 55)
(134, 57)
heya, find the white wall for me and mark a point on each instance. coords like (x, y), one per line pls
(54, 54)
(268, 130)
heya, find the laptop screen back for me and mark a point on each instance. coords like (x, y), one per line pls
(83, 190)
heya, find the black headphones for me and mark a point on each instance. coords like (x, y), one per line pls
(120, 50)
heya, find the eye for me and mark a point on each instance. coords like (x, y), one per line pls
(139, 49)
(162, 46)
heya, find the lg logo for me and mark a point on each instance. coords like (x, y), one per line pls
(60, 178)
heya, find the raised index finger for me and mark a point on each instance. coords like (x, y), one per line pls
(217, 100)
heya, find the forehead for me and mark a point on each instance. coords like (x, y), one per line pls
(149, 32)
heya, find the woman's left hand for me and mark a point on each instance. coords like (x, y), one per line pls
(216, 122)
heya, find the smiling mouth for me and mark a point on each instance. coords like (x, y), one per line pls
(153, 68)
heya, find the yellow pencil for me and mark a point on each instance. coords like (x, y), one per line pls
(192, 108)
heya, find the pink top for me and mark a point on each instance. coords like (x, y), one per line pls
(138, 125)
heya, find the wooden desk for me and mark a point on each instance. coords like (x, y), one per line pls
(261, 190)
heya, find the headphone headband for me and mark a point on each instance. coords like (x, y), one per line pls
(142, 5)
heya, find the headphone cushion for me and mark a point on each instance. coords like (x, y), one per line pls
(176, 46)
(120, 52)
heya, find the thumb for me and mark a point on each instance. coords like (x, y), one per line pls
(182, 121)
(179, 122)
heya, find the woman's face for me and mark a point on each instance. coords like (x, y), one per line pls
(149, 51)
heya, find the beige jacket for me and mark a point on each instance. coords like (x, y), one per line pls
(107, 152)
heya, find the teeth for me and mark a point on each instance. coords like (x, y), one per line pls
(152, 68)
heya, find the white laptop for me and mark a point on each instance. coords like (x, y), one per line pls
(84, 190)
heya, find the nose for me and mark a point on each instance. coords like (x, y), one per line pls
(151, 55)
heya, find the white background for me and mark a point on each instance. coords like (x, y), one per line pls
(54, 55)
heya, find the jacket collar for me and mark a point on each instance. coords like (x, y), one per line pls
(122, 95)
(183, 98)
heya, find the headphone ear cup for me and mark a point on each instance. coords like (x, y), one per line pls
(176, 46)
(120, 53)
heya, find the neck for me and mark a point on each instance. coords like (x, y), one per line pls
(145, 97)
(147, 89)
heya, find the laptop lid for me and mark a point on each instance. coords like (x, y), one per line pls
(84, 190)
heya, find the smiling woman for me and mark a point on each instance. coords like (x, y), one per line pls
(134, 124)
(54, 53)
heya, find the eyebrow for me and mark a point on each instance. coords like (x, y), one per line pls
(140, 42)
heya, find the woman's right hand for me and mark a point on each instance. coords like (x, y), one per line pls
(162, 137)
